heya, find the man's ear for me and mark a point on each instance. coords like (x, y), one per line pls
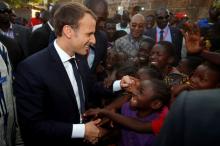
(156, 104)
(67, 31)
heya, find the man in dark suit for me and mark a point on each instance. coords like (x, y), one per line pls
(51, 86)
(166, 33)
(193, 120)
(15, 53)
(13, 31)
(44, 35)
(98, 52)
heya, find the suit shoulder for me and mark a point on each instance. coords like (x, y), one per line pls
(37, 58)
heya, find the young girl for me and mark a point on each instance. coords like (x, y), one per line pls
(148, 98)
(162, 56)
(206, 76)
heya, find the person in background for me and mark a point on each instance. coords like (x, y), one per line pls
(163, 32)
(43, 36)
(16, 32)
(7, 101)
(130, 43)
(35, 21)
(45, 16)
(150, 22)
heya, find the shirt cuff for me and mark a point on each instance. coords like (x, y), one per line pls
(116, 86)
(78, 131)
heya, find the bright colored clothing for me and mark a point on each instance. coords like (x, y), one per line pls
(131, 138)
(158, 122)
(34, 21)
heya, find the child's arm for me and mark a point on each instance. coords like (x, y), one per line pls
(128, 122)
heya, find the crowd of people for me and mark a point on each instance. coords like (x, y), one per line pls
(78, 77)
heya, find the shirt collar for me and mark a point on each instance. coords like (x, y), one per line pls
(165, 29)
(63, 55)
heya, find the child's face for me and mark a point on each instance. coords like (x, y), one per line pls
(158, 57)
(204, 78)
(183, 66)
(141, 97)
(111, 59)
(143, 53)
(142, 75)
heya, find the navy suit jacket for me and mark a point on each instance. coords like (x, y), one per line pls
(193, 120)
(46, 103)
(22, 35)
(39, 39)
(176, 36)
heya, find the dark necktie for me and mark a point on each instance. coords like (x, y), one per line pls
(79, 84)
(161, 35)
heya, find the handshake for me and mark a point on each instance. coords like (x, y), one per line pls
(93, 132)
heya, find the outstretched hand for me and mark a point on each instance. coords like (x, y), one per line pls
(97, 112)
(192, 38)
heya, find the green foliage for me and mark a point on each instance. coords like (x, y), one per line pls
(19, 3)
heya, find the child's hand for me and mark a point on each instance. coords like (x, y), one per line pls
(93, 113)
(176, 90)
(108, 82)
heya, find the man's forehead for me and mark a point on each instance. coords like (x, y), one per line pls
(138, 18)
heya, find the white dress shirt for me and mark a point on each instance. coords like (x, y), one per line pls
(166, 34)
(78, 129)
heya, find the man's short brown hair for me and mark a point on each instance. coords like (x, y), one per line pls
(70, 13)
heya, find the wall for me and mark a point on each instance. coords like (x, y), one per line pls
(194, 8)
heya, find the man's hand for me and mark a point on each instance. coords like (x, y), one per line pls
(126, 81)
(92, 132)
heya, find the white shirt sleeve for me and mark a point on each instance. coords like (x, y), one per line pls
(78, 131)
(116, 85)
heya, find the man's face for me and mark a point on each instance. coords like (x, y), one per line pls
(162, 19)
(158, 57)
(101, 11)
(137, 26)
(150, 22)
(83, 36)
(4, 16)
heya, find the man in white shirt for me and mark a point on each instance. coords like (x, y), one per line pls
(163, 32)
(52, 86)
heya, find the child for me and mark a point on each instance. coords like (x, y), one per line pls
(144, 52)
(162, 56)
(189, 64)
(206, 76)
(148, 98)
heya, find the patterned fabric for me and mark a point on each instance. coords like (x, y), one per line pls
(128, 45)
(7, 103)
(173, 79)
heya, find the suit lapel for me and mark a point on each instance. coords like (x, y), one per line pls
(60, 70)
(154, 34)
(173, 35)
